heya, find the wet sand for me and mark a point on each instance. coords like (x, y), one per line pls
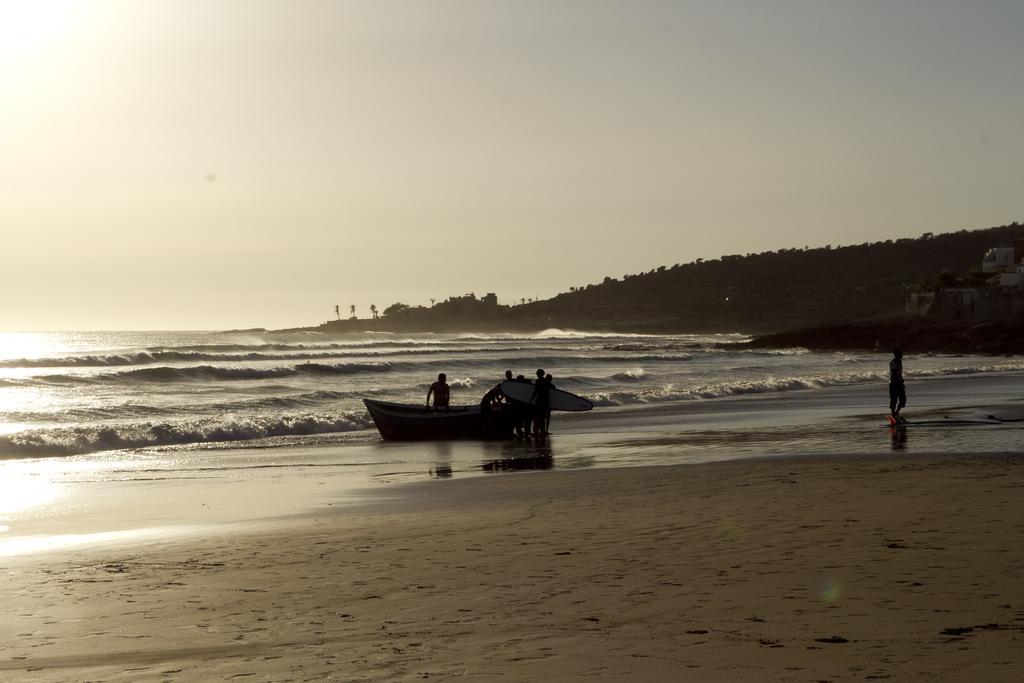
(812, 568)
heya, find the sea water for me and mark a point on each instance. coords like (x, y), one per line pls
(126, 431)
(64, 394)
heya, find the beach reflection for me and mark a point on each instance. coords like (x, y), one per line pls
(521, 455)
(450, 458)
(899, 438)
(21, 491)
(442, 468)
(26, 545)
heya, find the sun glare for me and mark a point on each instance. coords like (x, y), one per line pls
(21, 491)
(28, 344)
(29, 27)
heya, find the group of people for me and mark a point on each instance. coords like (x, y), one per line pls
(533, 418)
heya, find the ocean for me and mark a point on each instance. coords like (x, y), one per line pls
(142, 435)
(64, 394)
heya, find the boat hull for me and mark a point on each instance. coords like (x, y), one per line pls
(406, 422)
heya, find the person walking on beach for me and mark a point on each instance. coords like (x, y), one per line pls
(897, 390)
(441, 392)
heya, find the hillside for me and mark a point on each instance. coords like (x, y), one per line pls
(772, 291)
(756, 293)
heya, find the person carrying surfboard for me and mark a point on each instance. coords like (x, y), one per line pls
(520, 416)
(537, 400)
(541, 401)
(522, 413)
(897, 390)
(550, 382)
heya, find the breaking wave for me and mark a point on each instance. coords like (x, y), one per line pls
(91, 439)
(153, 357)
(131, 410)
(647, 347)
(207, 373)
(149, 357)
(768, 385)
(630, 375)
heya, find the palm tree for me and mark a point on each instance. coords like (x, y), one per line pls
(352, 310)
(337, 311)
(373, 311)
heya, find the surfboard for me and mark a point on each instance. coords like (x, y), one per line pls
(522, 392)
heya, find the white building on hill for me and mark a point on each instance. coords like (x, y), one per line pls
(998, 259)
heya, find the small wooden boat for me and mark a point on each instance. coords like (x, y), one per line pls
(407, 422)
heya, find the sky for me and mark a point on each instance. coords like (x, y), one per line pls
(214, 164)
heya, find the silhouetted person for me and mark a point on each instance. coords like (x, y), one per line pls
(541, 401)
(508, 378)
(522, 414)
(494, 396)
(550, 381)
(500, 415)
(897, 390)
(441, 392)
(492, 411)
(492, 399)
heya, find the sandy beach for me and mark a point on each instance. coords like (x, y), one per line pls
(888, 567)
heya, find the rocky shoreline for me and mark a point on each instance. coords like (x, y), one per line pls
(914, 335)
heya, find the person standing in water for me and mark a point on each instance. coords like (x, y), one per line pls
(550, 382)
(523, 414)
(441, 392)
(897, 390)
(541, 401)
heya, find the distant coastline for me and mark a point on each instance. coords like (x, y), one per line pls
(851, 297)
(915, 335)
(362, 325)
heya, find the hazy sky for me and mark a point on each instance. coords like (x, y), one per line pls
(219, 163)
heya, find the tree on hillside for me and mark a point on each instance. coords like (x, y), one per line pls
(395, 308)
(352, 310)
(337, 311)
